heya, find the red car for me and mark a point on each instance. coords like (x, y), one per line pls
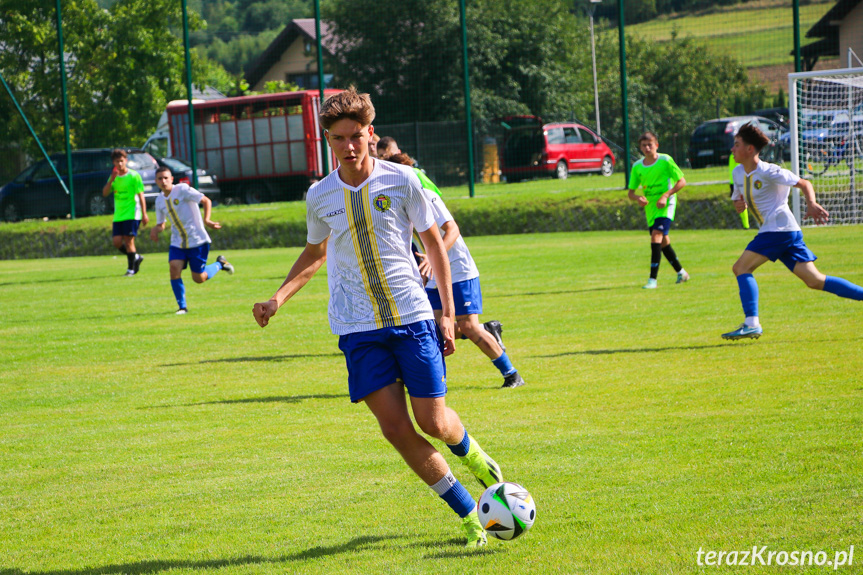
(557, 150)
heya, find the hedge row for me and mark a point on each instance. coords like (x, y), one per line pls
(474, 218)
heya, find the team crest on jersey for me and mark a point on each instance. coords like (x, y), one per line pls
(382, 203)
(757, 184)
(176, 202)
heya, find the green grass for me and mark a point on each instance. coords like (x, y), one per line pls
(757, 36)
(136, 441)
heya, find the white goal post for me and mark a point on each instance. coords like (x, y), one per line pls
(826, 109)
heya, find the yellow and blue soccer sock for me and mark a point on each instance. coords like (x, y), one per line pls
(179, 292)
(655, 257)
(749, 297)
(504, 365)
(212, 269)
(843, 288)
(454, 493)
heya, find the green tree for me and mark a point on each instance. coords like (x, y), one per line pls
(123, 66)
(525, 57)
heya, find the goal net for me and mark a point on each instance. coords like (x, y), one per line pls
(827, 141)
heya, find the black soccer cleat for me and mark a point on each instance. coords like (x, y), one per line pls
(513, 380)
(495, 328)
(225, 265)
(137, 265)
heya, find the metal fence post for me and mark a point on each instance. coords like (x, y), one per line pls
(324, 153)
(623, 93)
(468, 122)
(194, 148)
(65, 111)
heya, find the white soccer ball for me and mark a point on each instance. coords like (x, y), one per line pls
(506, 510)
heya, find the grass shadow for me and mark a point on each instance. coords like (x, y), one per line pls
(58, 280)
(269, 399)
(492, 296)
(286, 357)
(156, 566)
(637, 350)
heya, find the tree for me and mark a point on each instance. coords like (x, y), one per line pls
(523, 57)
(123, 66)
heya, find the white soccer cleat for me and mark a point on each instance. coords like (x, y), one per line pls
(651, 284)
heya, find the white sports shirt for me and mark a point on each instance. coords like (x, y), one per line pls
(181, 208)
(766, 191)
(461, 263)
(373, 278)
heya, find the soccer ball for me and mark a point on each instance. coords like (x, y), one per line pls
(506, 510)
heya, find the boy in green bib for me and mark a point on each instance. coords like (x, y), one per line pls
(660, 179)
(130, 208)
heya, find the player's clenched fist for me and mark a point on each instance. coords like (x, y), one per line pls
(264, 311)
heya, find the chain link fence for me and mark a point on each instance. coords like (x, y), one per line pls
(543, 82)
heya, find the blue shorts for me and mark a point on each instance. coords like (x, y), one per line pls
(193, 258)
(410, 354)
(466, 295)
(126, 228)
(787, 247)
(661, 225)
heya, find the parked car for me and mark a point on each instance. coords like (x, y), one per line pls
(778, 115)
(182, 172)
(36, 192)
(557, 150)
(710, 143)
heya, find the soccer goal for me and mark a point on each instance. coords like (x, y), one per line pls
(827, 141)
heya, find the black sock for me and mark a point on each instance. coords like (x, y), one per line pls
(672, 257)
(122, 247)
(655, 257)
(130, 256)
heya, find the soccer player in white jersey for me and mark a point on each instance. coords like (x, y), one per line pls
(190, 243)
(466, 290)
(763, 188)
(360, 220)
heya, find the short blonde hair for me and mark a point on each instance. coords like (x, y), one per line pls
(348, 104)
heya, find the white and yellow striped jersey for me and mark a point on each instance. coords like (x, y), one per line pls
(180, 207)
(373, 278)
(461, 263)
(766, 191)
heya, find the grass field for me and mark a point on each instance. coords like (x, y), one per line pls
(757, 36)
(136, 441)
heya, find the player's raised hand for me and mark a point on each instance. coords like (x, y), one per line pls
(642, 201)
(214, 225)
(740, 205)
(817, 213)
(264, 311)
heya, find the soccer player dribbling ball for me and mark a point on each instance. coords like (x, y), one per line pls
(130, 208)
(654, 172)
(360, 221)
(190, 242)
(763, 188)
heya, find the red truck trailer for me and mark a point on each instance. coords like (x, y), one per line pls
(263, 148)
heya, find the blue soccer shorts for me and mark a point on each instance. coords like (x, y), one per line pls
(409, 353)
(193, 258)
(126, 228)
(466, 295)
(787, 247)
(661, 225)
